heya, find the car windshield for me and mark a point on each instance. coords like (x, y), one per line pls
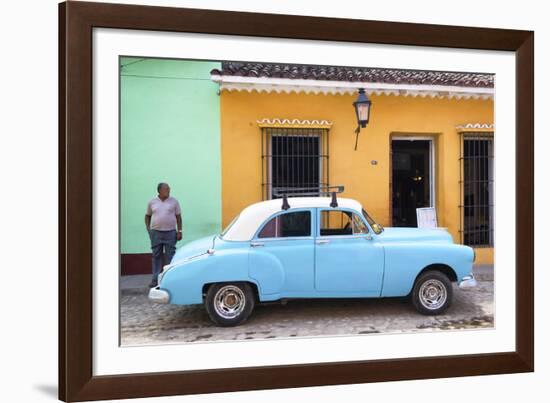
(229, 226)
(377, 228)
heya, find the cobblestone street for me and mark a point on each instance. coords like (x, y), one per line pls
(145, 323)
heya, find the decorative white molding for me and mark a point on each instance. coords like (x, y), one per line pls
(276, 122)
(288, 86)
(475, 126)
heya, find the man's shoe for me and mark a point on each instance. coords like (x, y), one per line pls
(153, 284)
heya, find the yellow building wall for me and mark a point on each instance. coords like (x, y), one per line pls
(369, 184)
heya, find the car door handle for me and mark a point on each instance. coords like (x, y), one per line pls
(322, 241)
(256, 244)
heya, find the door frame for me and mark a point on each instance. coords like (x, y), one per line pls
(431, 139)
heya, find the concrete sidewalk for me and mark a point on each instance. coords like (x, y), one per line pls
(135, 282)
(482, 272)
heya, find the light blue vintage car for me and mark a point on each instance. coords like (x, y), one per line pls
(313, 247)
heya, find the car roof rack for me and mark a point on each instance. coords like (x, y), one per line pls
(286, 192)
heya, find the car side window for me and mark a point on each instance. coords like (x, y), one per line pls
(336, 222)
(288, 225)
(340, 222)
(359, 226)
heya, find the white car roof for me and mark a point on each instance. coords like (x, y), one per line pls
(244, 228)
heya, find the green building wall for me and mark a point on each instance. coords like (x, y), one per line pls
(170, 132)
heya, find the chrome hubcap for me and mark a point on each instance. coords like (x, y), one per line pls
(433, 294)
(229, 302)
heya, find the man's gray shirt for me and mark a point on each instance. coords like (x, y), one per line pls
(163, 213)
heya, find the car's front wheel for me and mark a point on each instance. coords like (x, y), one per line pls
(432, 293)
(229, 304)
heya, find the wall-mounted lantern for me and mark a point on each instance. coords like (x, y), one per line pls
(362, 110)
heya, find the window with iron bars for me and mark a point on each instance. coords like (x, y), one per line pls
(293, 158)
(476, 189)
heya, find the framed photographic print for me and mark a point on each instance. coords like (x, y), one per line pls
(253, 201)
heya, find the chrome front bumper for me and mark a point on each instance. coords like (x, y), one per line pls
(159, 296)
(468, 282)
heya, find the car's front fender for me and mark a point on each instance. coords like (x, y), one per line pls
(404, 261)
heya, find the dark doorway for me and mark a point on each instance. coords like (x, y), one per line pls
(410, 180)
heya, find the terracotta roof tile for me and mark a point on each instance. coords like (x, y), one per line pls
(355, 74)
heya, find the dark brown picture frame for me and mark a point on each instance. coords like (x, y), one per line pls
(76, 23)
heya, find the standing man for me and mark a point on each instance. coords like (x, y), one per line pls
(162, 216)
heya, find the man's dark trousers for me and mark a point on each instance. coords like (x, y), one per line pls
(163, 245)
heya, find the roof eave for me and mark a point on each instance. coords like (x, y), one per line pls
(286, 85)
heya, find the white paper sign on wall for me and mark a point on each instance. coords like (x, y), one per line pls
(426, 217)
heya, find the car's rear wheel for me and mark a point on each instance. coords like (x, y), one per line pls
(432, 293)
(229, 304)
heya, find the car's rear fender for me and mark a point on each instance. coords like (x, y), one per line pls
(186, 281)
(267, 271)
